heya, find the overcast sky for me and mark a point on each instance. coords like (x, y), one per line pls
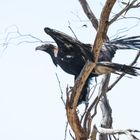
(30, 104)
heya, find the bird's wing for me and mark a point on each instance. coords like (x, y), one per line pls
(109, 47)
(125, 42)
(65, 42)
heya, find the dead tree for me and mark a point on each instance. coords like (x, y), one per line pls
(84, 128)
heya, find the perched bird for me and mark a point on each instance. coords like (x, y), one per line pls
(71, 55)
(73, 64)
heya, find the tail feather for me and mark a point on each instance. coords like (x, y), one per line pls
(125, 43)
(108, 67)
(129, 70)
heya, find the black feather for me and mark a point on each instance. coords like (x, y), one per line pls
(73, 54)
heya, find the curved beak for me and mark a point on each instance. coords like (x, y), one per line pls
(42, 48)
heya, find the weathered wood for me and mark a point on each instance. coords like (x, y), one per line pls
(71, 105)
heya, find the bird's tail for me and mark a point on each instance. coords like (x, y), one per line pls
(125, 43)
(109, 67)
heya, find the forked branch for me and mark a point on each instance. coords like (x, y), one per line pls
(127, 7)
(71, 105)
(127, 132)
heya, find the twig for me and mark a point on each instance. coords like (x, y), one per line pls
(59, 83)
(88, 116)
(84, 113)
(66, 129)
(133, 6)
(71, 135)
(72, 30)
(94, 104)
(20, 35)
(124, 30)
(128, 6)
(126, 17)
(94, 88)
(96, 101)
(17, 35)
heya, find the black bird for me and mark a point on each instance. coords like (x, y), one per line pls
(72, 54)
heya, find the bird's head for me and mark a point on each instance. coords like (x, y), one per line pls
(49, 48)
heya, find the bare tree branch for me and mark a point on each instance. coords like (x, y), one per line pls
(105, 107)
(102, 28)
(133, 6)
(15, 37)
(72, 30)
(127, 132)
(88, 112)
(73, 119)
(59, 83)
(89, 13)
(66, 129)
(126, 17)
(128, 6)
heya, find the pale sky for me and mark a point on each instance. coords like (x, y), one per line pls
(30, 104)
